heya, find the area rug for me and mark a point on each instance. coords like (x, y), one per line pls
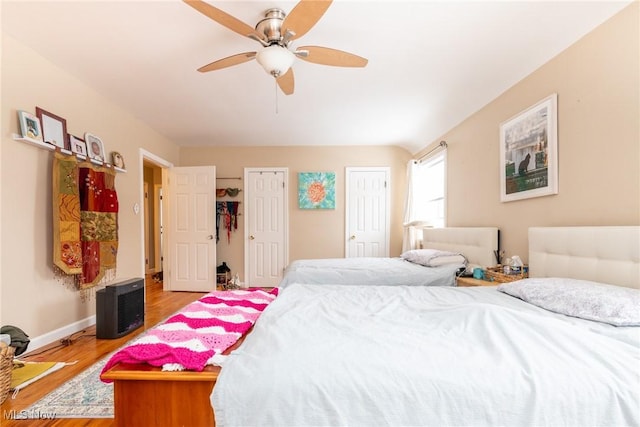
(84, 396)
(25, 373)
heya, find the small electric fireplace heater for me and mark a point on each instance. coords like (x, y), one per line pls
(119, 308)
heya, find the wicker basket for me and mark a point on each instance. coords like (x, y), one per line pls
(6, 367)
(495, 274)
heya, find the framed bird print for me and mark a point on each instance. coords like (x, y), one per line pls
(529, 152)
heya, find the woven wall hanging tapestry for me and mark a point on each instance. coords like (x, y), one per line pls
(85, 220)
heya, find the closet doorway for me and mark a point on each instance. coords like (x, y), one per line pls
(367, 211)
(153, 181)
(266, 225)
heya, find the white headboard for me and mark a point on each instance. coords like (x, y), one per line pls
(477, 244)
(608, 254)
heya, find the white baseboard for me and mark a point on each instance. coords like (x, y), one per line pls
(60, 333)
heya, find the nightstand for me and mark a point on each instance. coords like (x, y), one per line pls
(470, 281)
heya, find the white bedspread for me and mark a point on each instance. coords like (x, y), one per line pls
(367, 271)
(426, 356)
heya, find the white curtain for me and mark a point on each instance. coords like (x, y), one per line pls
(410, 235)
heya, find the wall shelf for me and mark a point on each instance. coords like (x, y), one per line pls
(64, 151)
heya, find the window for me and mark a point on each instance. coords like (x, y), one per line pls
(429, 190)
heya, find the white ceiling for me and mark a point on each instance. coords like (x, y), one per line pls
(431, 64)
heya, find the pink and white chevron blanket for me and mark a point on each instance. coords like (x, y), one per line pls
(191, 338)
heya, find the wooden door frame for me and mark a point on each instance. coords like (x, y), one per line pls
(347, 183)
(285, 211)
(149, 157)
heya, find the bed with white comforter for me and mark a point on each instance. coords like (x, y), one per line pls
(368, 271)
(439, 356)
(445, 251)
(551, 350)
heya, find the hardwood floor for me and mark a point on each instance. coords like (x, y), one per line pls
(87, 350)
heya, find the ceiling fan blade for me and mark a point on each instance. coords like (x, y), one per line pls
(224, 19)
(328, 56)
(229, 61)
(304, 16)
(286, 82)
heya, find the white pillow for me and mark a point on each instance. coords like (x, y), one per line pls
(579, 298)
(434, 257)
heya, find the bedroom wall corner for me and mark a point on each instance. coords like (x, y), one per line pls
(598, 89)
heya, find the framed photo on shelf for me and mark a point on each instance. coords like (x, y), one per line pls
(30, 126)
(78, 145)
(54, 128)
(117, 160)
(95, 147)
(529, 152)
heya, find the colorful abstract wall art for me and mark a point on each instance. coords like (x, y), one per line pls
(317, 190)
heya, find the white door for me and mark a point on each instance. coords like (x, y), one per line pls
(191, 232)
(367, 211)
(266, 225)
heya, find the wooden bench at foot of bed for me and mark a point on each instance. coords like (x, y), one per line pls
(145, 395)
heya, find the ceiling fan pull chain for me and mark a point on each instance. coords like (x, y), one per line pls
(276, 88)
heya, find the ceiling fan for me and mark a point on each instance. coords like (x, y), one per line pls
(275, 33)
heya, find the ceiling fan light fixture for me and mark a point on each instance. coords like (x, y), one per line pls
(276, 60)
(275, 32)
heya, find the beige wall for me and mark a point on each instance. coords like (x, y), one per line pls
(313, 234)
(597, 82)
(32, 297)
